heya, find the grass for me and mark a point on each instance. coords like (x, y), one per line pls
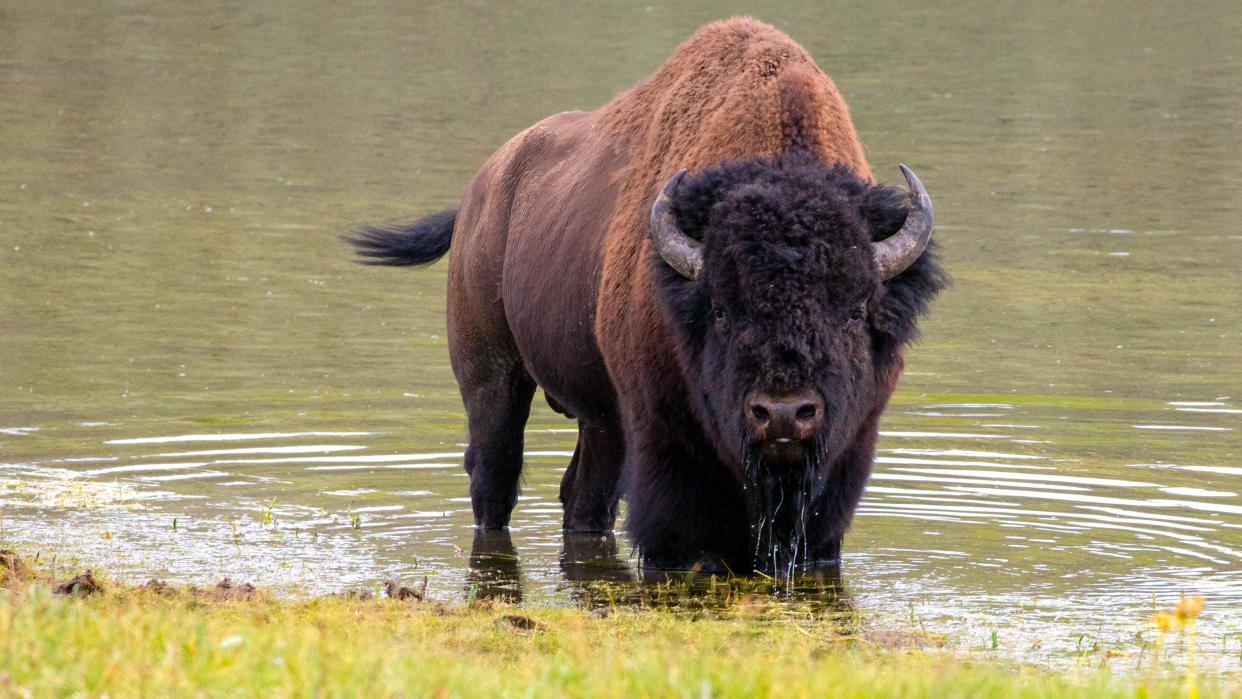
(131, 641)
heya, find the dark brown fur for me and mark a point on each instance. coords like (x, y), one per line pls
(549, 285)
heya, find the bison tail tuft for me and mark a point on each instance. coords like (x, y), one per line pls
(418, 243)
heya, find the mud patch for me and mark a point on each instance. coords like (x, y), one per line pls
(396, 590)
(156, 587)
(83, 585)
(520, 623)
(226, 589)
(12, 568)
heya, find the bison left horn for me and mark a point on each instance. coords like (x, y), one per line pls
(898, 251)
(680, 251)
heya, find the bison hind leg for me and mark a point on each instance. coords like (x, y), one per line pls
(497, 406)
(590, 487)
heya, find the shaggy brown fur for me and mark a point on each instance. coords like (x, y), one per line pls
(549, 285)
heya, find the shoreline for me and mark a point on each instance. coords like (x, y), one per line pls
(89, 633)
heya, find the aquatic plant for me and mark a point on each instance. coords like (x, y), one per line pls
(1181, 618)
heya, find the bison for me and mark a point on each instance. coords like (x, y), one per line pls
(705, 275)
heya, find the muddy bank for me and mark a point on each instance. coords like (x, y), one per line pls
(15, 573)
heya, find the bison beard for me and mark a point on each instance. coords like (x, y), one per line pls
(726, 339)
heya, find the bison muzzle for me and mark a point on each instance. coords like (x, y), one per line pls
(705, 275)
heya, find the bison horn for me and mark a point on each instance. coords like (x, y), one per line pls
(679, 250)
(898, 251)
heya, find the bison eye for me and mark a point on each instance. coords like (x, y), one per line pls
(719, 314)
(858, 313)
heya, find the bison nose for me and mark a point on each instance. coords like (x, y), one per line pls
(785, 417)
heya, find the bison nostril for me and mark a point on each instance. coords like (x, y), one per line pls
(760, 413)
(782, 418)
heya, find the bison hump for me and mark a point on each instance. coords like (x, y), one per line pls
(738, 88)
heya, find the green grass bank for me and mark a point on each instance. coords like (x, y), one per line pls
(159, 641)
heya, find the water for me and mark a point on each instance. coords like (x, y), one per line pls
(197, 382)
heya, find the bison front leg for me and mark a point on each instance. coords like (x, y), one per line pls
(590, 487)
(844, 490)
(684, 514)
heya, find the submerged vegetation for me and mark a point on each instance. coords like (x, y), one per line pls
(92, 637)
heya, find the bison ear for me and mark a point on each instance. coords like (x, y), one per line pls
(883, 209)
(908, 295)
(696, 195)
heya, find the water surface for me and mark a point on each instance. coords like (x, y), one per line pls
(197, 382)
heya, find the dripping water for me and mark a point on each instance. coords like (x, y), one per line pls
(779, 510)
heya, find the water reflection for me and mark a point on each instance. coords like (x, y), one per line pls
(590, 557)
(594, 575)
(819, 590)
(494, 573)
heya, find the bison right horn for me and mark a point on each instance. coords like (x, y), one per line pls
(898, 251)
(680, 251)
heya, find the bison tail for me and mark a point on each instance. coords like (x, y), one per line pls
(418, 243)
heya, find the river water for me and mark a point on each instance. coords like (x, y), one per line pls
(196, 381)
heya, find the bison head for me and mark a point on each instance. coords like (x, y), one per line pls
(790, 288)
